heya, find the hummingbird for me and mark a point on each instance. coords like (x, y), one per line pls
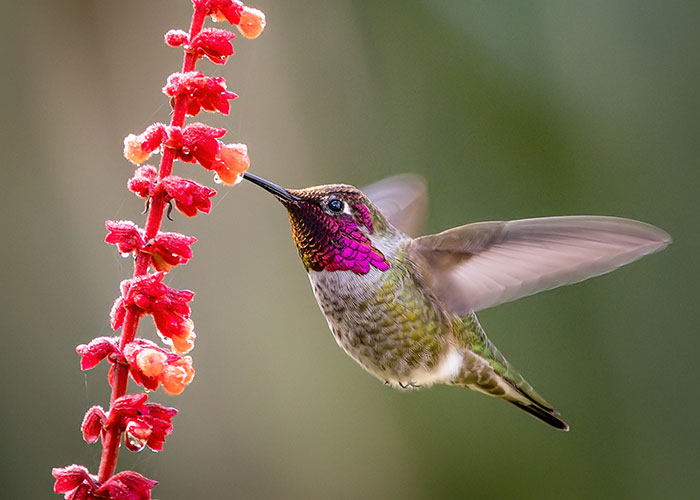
(404, 307)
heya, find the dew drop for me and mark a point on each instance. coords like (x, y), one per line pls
(217, 179)
(125, 254)
(134, 443)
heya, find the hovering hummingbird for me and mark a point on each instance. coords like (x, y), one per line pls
(404, 307)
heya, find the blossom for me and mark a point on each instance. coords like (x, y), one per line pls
(196, 142)
(220, 10)
(166, 249)
(93, 424)
(199, 91)
(75, 482)
(151, 366)
(138, 148)
(189, 196)
(251, 23)
(147, 294)
(126, 485)
(125, 234)
(176, 38)
(234, 162)
(169, 249)
(144, 424)
(144, 181)
(214, 43)
(97, 350)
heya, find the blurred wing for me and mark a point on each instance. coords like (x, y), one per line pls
(402, 199)
(481, 265)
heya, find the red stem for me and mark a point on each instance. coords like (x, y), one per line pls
(112, 437)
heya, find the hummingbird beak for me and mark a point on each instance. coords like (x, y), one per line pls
(282, 194)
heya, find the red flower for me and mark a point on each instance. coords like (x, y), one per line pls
(214, 43)
(93, 424)
(200, 91)
(234, 162)
(196, 143)
(144, 424)
(176, 38)
(151, 365)
(127, 485)
(125, 234)
(138, 148)
(166, 249)
(144, 180)
(251, 23)
(188, 195)
(97, 350)
(219, 10)
(168, 306)
(75, 482)
(169, 249)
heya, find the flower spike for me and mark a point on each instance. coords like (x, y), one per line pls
(130, 418)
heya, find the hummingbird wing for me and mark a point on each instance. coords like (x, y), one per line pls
(402, 199)
(481, 265)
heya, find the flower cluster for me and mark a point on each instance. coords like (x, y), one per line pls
(150, 365)
(76, 483)
(130, 418)
(194, 143)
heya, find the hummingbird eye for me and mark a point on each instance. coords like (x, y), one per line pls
(335, 205)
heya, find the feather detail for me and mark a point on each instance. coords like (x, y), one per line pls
(481, 265)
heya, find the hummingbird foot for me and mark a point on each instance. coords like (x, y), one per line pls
(409, 385)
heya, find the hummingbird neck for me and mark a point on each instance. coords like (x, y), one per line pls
(330, 244)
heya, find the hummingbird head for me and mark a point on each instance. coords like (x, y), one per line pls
(335, 226)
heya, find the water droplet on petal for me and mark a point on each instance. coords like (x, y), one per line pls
(125, 254)
(134, 443)
(217, 179)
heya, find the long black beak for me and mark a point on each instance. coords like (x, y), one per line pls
(281, 193)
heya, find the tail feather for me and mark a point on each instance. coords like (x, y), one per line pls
(486, 370)
(547, 415)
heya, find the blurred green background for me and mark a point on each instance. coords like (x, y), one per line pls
(510, 109)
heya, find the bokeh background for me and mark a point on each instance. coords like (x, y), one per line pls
(509, 109)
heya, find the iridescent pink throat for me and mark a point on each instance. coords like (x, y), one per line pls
(326, 243)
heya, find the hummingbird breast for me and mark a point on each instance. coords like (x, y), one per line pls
(387, 323)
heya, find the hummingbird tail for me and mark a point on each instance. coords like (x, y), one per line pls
(486, 370)
(547, 415)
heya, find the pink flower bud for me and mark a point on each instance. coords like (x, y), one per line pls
(138, 148)
(177, 375)
(176, 38)
(234, 162)
(252, 22)
(93, 423)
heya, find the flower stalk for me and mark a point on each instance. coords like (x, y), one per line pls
(150, 366)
